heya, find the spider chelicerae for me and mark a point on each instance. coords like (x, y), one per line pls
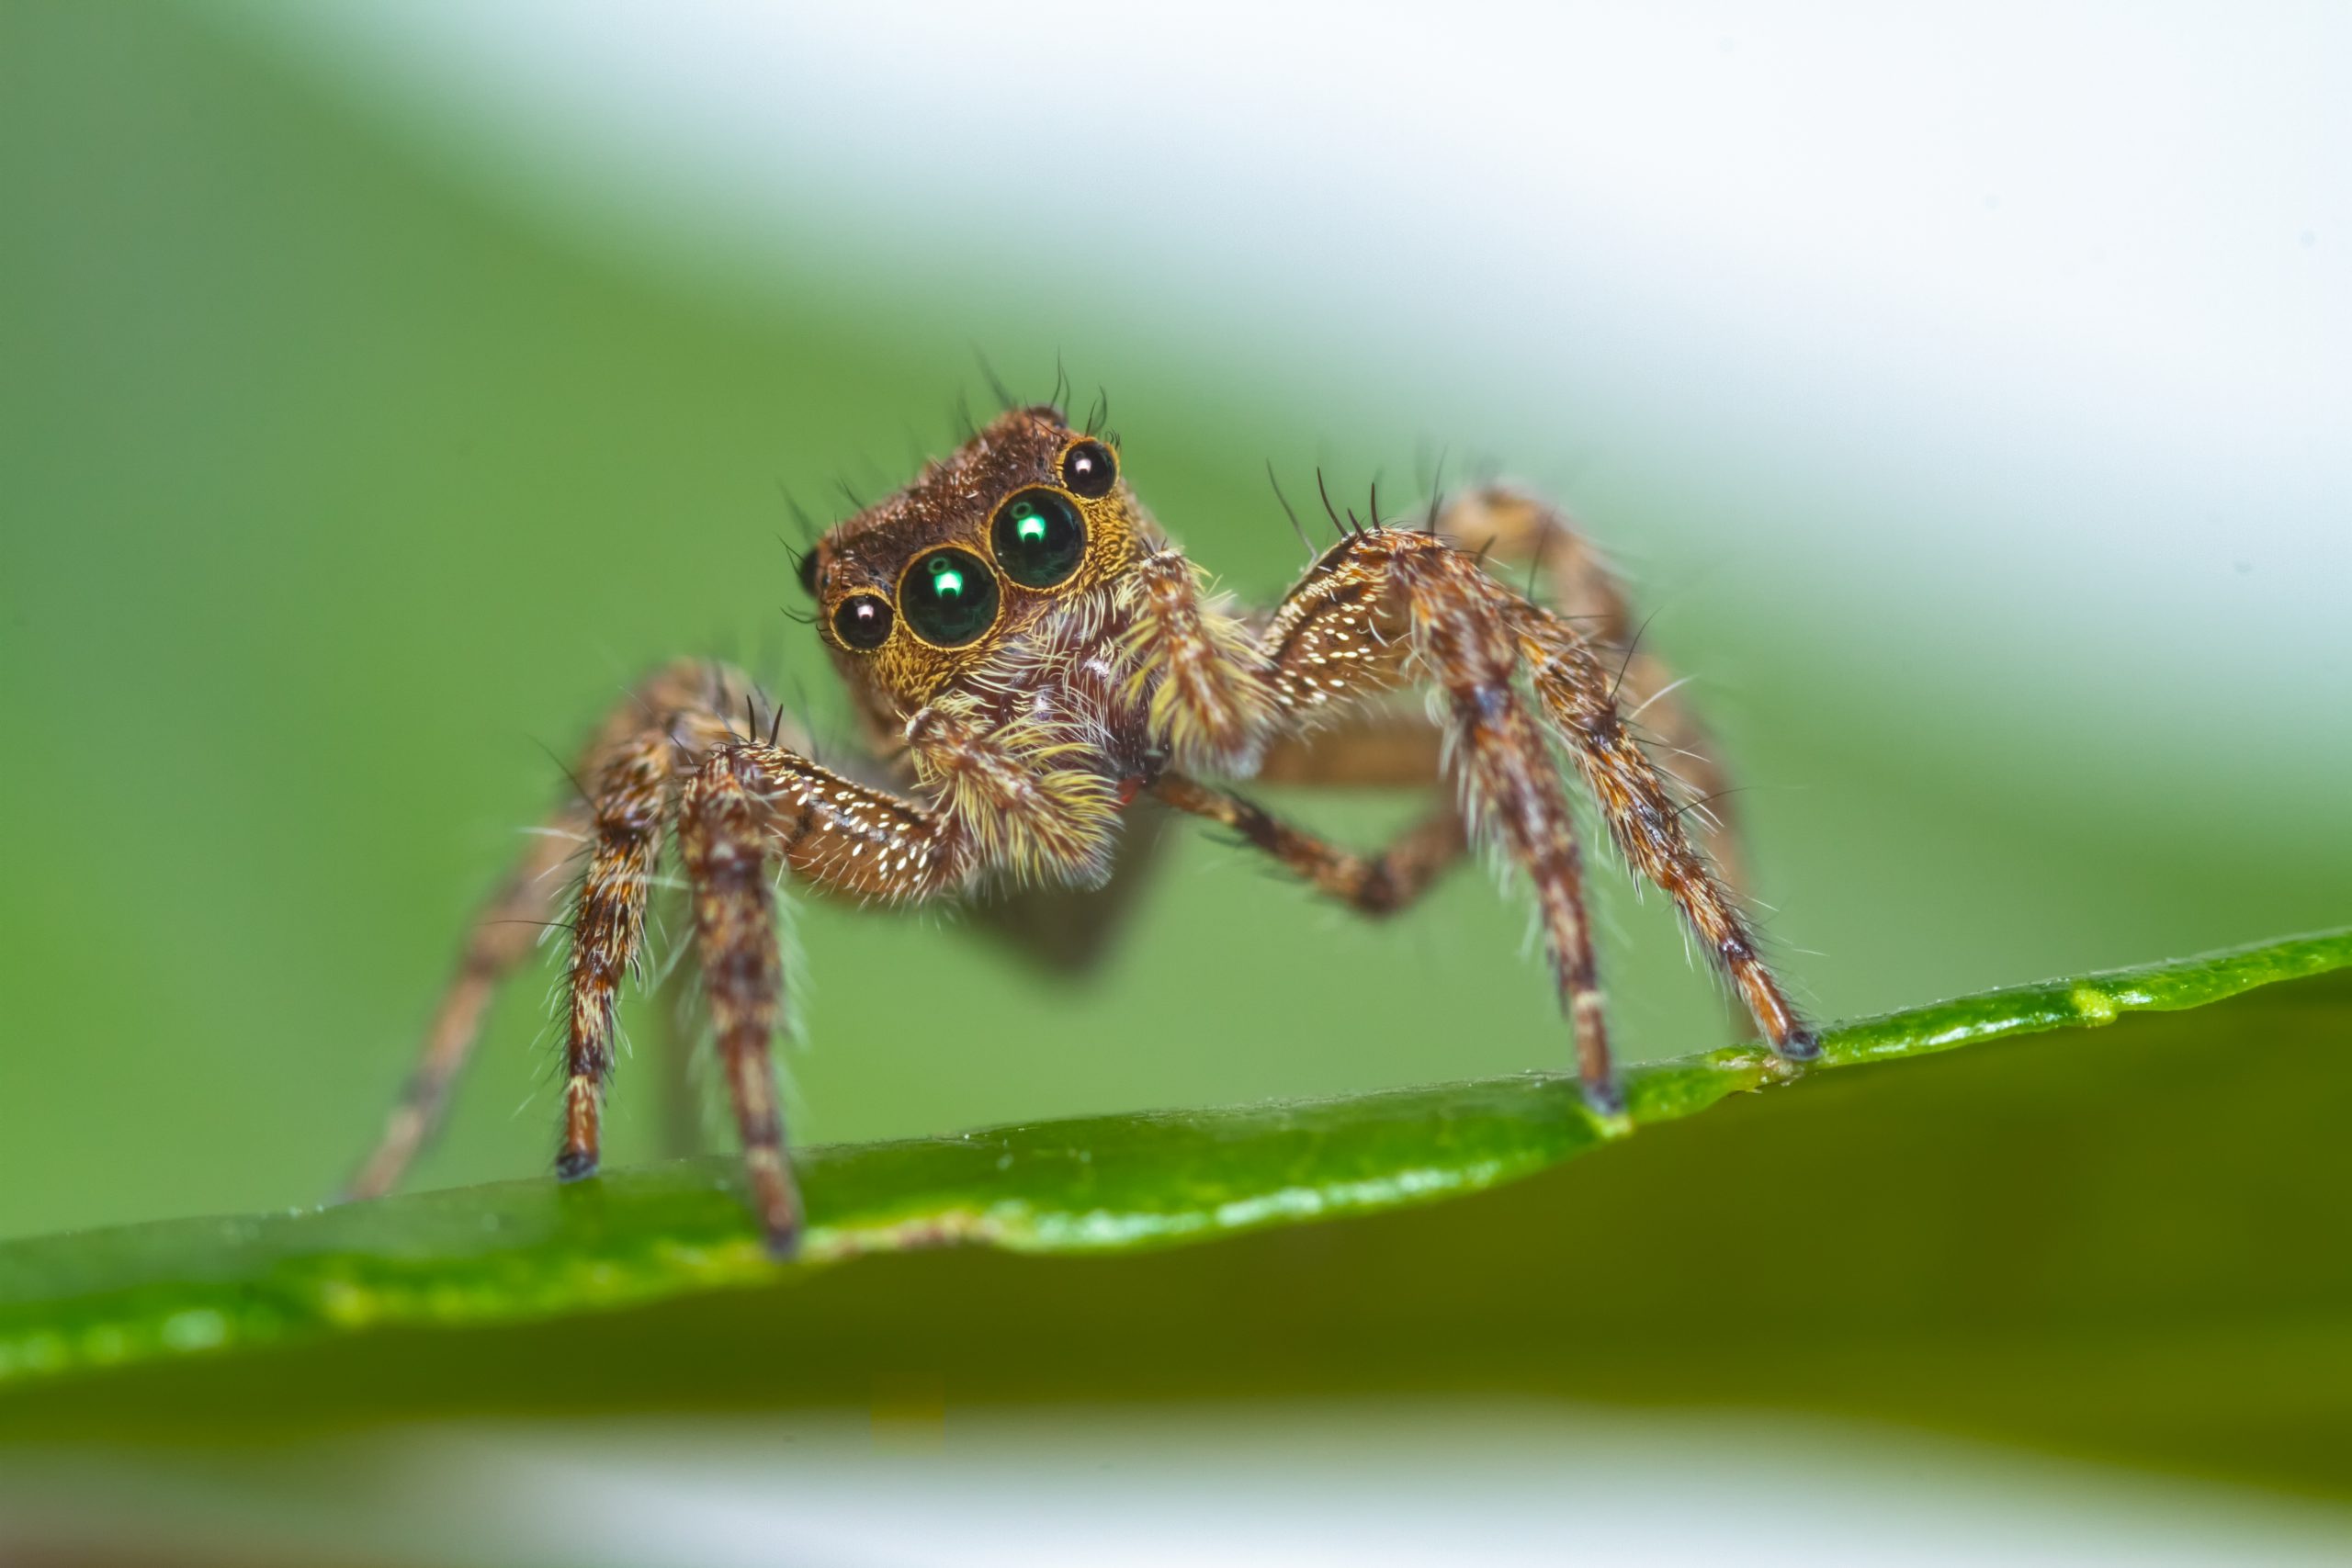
(1028, 655)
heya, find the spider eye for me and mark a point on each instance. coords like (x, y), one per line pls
(1090, 469)
(950, 597)
(862, 622)
(808, 574)
(1038, 537)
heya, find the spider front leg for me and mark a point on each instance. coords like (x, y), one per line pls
(687, 706)
(749, 805)
(723, 838)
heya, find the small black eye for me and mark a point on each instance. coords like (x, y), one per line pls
(951, 597)
(1038, 537)
(1090, 469)
(808, 574)
(862, 621)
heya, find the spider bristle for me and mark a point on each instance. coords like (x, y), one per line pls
(519, 921)
(1329, 510)
(1295, 525)
(1701, 804)
(807, 525)
(1536, 565)
(1632, 649)
(1005, 402)
(565, 769)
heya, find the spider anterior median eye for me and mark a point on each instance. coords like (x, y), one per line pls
(1038, 537)
(863, 621)
(1090, 469)
(949, 597)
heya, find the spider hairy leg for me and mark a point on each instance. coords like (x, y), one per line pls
(1479, 641)
(1388, 601)
(1194, 659)
(689, 697)
(747, 805)
(1019, 793)
(505, 933)
(1571, 578)
(1647, 825)
(1377, 884)
(723, 838)
(633, 803)
(687, 708)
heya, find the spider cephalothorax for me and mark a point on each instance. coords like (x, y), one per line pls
(1030, 654)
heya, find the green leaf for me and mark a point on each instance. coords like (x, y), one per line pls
(1141, 1184)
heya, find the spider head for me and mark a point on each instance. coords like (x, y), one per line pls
(1015, 527)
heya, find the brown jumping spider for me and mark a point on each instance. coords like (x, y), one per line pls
(1028, 655)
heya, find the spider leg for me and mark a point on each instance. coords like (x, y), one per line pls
(723, 838)
(842, 835)
(1386, 746)
(747, 806)
(1186, 647)
(690, 706)
(634, 799)
(504, 934)
(1377, 884)
(677, 755)
(1576, 692)
(1570, 576)
(1386, 602)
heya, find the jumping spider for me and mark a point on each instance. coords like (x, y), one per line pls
(1028, 654)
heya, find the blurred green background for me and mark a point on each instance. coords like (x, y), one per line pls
(333, 491)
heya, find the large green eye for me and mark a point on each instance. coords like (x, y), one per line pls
(1038, 537)
(948, 598)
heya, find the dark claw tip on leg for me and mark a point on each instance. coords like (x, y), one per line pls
(782, 1245)
(573, 1164)
(1606, 1098)
(1804, 1046)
